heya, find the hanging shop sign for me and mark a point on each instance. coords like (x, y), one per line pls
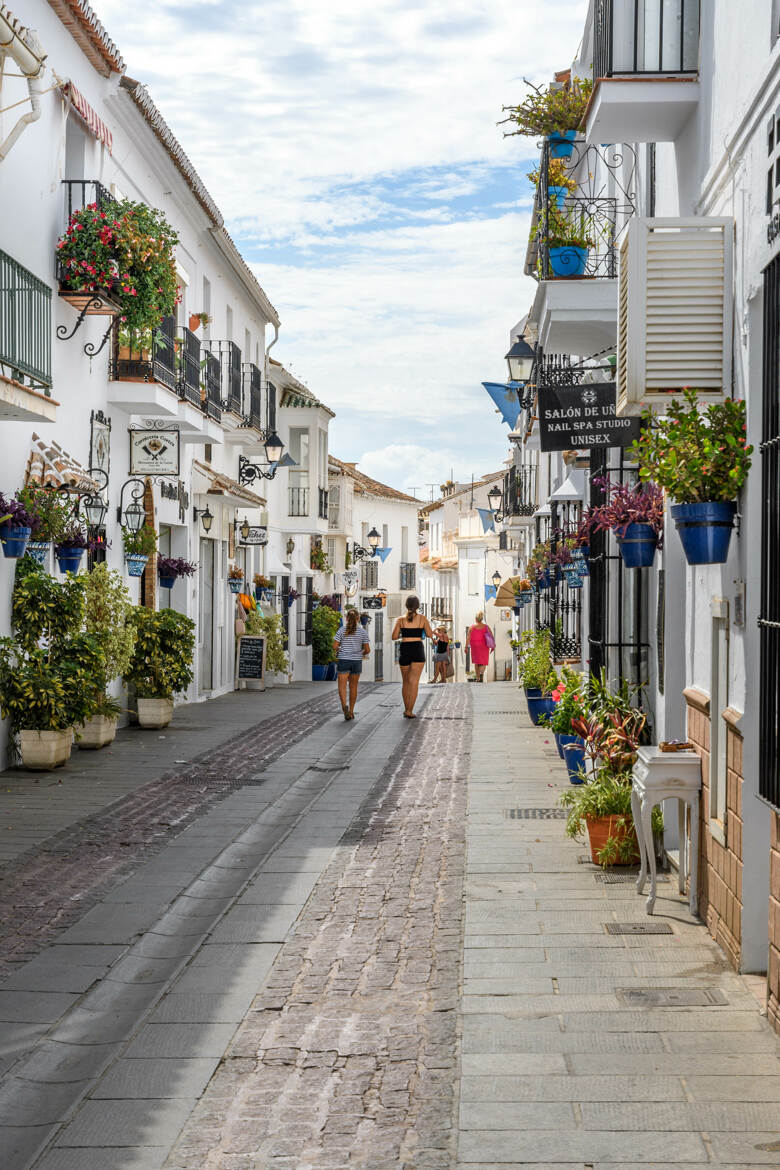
(351, 582)
(257, 535)
(582, 416)
(154, 452)
(371, 603)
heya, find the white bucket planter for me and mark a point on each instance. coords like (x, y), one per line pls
(155, 712)
(96, 732)
(44, 750)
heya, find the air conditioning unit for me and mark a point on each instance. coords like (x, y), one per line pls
(675, 311)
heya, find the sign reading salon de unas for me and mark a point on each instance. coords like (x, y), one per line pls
(582, 416)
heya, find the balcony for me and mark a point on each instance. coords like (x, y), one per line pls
(228, 355)
(297, 501)
(645, 69)
(408, 575)
(25, 345)
(142, 371)
(212, 381)
(322, 510)
(79, 193)
(189, 380)
(253, 394)
(520, 500)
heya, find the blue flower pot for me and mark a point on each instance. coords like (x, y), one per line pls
(533, 693)
(69, 559)
(15, 538)
(583, 568)
(544, 580)
(574, 755)
(330, 672)
(557, 196)
(558, 744)
(136, 563)
(705, 530)
(39, 550)
(568, 260)
(526, 596)
(167, 582)
(235, 584)
(562, 143)
(539, 707)
(574, 580)
(519, 606)
(637, 545)
(318, 673)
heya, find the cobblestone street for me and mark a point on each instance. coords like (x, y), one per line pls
(373, 948)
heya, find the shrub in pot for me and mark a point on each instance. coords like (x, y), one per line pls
(169, 569)
(635, 513)
(161, 664)
(49, 513)
(138, 546)
(15, 527)
(264, 588)
(324, 624)
(107, 607)
(570, 699)
(271, 628)
(69, 547)
(235, 579)
(536, 672)
(552, 113)
(700, 457)
(560, 184)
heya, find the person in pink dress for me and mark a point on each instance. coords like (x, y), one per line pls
(478, 643)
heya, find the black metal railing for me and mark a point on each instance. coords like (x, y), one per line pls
(520, 491)
(322, 510)
(80, 193)
(297, 501)
(769, 621)
(408, 575)
(229, 357)
(581, 211)
(188, 362)
(253, 394)
(25, 324)
(150, 360)
(645, 36)
(212, 380)
(440, 608)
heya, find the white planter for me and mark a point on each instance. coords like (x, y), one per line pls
(155, 712)
(44, 750)
(96, 732)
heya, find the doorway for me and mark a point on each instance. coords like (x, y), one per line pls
(206, 616)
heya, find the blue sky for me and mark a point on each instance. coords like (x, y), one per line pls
(354, 151)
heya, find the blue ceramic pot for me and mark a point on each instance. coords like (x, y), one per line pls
(539, 707)
(562, 143)
(526, 596)
(69, 559)
(330, 672)
(136, 563)
(318, 673)
(533, 693)
(637, 545)
(583, 568)
(39, 550)
(574, 580)
(574, 755)
(568, 260)
(558, 738)
(705, 530)
(167, 582)
(544, 580)
(557, 196)
(235, 585)
(14, 538)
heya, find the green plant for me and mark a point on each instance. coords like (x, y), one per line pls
(606, 796)
(324, 624)
(49, 511)
(558, 175)
(161, 665)
(319, 559)
(45, 610)
(272, 629)
(142, 543)
(549, 111)
(52, 688)
(571, 697)
(566, 229)
(107, 607)
(535, 661)
(695, 455)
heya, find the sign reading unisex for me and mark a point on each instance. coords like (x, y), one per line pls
(582, 416)
(154, 452)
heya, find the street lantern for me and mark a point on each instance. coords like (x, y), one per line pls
(520, 360)
(134, 516)
(95, 509)
(373, 540)
(244, 529)
(205, 517)
(273, 447)
(495, 496)
(290, 547)
(496, 579)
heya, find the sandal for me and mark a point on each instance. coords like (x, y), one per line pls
(345, 709)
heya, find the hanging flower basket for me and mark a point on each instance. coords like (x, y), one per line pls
(69, 559)
(236, 584)
(15, 538)
(562, 143)
(136, 563)
(705, 530)
(637, 543)
(573, 579)
(39, 550)
(167, 582)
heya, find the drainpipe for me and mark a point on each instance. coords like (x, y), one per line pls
(23, 46)
(270, 347)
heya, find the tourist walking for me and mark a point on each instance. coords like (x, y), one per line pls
(480, 642)
(410, 630)
(351, 645)
(441, 654)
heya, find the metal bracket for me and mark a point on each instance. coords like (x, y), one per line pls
(62, 330)
(89, 347)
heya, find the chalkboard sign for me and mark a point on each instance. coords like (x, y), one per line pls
(571, 417)
(250, 657)
(372, 603)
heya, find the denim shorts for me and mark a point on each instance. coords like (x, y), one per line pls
(349, 666)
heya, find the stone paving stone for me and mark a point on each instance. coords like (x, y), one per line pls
(104, 1158)
(518, 1088)
(33, 1007)
(54, 1062)
(174, 1041)
(156, 1079)
(519, 1147)
(126, 1123)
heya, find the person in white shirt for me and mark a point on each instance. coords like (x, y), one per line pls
(351, 644)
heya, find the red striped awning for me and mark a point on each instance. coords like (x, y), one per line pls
(94, 124)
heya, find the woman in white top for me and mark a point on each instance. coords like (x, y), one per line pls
(351, 645)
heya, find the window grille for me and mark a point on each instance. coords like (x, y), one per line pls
(408, 575)
(369, 574)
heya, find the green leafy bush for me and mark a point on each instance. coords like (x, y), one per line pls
(107, 607)
(49, 511)
(272, 629)
(50, 689)
(535, 661)
(142, 543)
(43, 609)
(551, 110)
(161, 665)
(324, 624)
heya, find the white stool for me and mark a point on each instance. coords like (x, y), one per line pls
(659, 776)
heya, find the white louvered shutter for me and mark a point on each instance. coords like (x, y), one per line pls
(675, 311)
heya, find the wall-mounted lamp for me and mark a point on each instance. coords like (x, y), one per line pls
(244, 528)
(133, 515)
(359, 553)
(206, 517)
(290, 547)
(496, 579)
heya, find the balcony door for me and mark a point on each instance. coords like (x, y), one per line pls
(206, 616)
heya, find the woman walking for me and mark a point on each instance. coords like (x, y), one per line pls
(441, 654)
(351, 644)
(410, 630)
(480, 642)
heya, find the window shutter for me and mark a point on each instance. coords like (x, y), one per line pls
(675, 311)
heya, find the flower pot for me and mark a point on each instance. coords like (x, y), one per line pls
(558, 744)
(526, 596)
(167, 582)
(155, 712)
(539, 707)
(581, 561)
(519, 606)
(39, 550)
(532, 693)
(600, 829)
(544, 581)
(637, 545)
(15, 538)
(573, 579)
(236, 584)
(318, 672)
(561, 143)
(568, 260)
(69, 559)
(557, 196)
(705, 530)
(44, 750)
(136, 563)
(96, 732)
(194, 323)
(330, 672)
(573, 750)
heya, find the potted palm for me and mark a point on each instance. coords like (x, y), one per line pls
(15, 527)
(554, 113)
(161, 663)
(69, 547)
(169, 569)
(138, 546)
(107, 607)
(700, 457)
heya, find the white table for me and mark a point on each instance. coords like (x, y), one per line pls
(659, 776)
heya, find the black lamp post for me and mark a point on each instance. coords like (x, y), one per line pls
(520, 360)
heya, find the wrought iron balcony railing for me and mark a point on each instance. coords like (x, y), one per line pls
(25, 324)
(189, 371)
(645, 37)
(155, 364)
(298, 501)
(253, 395)
(212, 380)
(228, 355)
(582, 207)
(520, 492)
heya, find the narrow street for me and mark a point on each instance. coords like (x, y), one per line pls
(370, 945)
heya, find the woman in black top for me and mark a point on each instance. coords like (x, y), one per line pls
(412, 657)
(441, 654)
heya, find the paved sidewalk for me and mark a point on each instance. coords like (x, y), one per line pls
(569, 1060)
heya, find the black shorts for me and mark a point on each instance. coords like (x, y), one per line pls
(411, 652)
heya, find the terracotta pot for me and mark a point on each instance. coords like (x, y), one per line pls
(602, 828)
(44, 750)
(96, 732)
(155, 712)
(194, 323)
